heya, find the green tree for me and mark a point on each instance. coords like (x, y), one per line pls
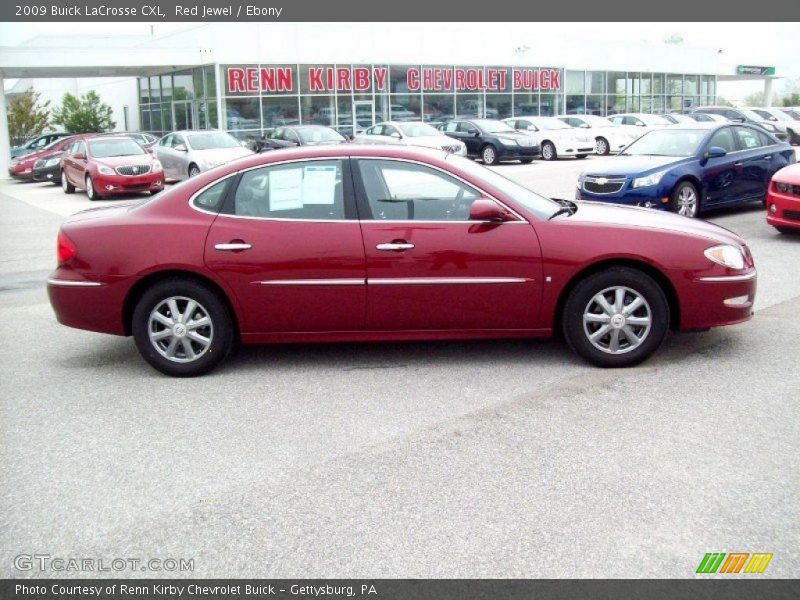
(86, 114)
(755, 99)
(723, 101)
(27, 117)
(792, 99)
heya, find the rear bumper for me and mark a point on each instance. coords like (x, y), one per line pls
(94, 305)
(575, 149)
(718, 301)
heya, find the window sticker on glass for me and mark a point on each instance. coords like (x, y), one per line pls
(319, 185)
(285, 189)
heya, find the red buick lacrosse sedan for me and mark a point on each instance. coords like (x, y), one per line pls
(364, 243)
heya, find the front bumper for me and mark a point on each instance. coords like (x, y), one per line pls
(52, 174)
(124, 184)
(650, 197)
(786, 212)
(517, 152)
(718, 301)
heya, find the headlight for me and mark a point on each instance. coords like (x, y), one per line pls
(104, 170)
(51, 162)
(725, 255)
(649, 180)
(785, 188)
(157, 166)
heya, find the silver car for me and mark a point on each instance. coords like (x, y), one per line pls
(184, 154)
(410, 133)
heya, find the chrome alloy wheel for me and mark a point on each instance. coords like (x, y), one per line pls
(489, 155)
(617, 320)
(687, 201)
(602, 146)
(180, 329)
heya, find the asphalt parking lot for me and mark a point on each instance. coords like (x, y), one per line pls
(480, 459)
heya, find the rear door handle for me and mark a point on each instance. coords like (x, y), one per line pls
(395, 246)
(233, 246)
(767, 157)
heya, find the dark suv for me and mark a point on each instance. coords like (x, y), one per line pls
(745, 115)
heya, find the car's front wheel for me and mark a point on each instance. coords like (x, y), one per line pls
(602, 146)
(90, 191)
(182, 328)
(194, 170)
(685, 200)
(489, 155)
(66, 186)
(616, 318)
(549, 151)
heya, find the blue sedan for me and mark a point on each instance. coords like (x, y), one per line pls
(687, 169)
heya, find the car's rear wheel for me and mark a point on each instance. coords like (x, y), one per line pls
(787, 230)
(602, 146)
(616, 318)
(90, 191)
(489, 155)
(66, 186)
(581, 155)
(182, 328)
(549, 151)
(194, 170)
(685, 200)
(526, 161)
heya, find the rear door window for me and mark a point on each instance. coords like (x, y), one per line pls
(748, 138)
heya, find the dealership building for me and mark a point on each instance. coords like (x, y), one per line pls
(248, 78)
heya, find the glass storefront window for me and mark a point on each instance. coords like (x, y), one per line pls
(632, 103)
(616, 82)
(646, 104)
(576, 105)
(658, 83)
(595, 105)
(550, 104)
(381, 107)
(166, 88)
(155, 89)
(469, 106)
(279, 110)
(183, 86)
(155, 119)
(646, 84)
(496, 75)
(595, 82)
(691, 86)
(575, 83)
(439, 108)
(144, 118)
(242, 113)
(166, 117)
(674, 84)
(498, 106)
(616, 105)
(398, 78)
(144, 91)
(210, 76)
(318, 110)
(405, 107)
(658, 104)
(526, 104)
(313, 75)
(673, 104)
(632, 84)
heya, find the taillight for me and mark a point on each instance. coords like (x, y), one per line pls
(66, 248)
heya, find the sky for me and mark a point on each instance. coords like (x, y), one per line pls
(771, 44)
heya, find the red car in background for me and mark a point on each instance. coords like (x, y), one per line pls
(109, 165)
(783, 199)
(365, 243)
(22, 167)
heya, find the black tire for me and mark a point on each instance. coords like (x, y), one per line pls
(549, 151)
(602, 145)
(526, 161)
(675, 199)
(489, 155)
(787, 230)
(90, 191)
(581, 298)
(154, 192)
(194, 170)
(581, 155)
(66, 186)
(209, 302)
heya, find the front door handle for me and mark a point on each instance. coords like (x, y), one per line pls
(766, 157)
(738, 164)
(395, 246)
(233, 246)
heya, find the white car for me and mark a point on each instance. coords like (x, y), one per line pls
(410, 133)
(786, 117)
(640, 123)
(184, 154)
(608, 137)
(555, 137)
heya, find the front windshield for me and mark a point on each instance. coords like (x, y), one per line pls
(751, 115)
(540, 206)
(314, 135)
(681, 118)
(417, 129)
(118, 147)
(792, 114)
(596, 121)
(212, 140)
(669, 142)
(491, 126)
(550, 123)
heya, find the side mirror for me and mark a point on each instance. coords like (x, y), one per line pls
(181, 148)
(484, 209)
(79, 156)
(395, 135)
(716, 152)
(639, 124)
